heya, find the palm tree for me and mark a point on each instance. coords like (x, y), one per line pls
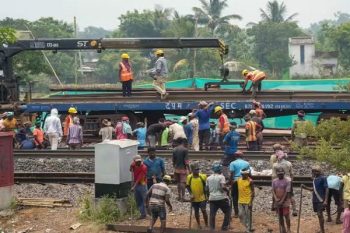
(210, 14)
(276, 12)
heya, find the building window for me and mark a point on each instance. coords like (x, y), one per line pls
(302, 54)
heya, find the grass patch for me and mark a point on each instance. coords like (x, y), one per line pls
(106, 209)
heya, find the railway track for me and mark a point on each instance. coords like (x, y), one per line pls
(89, 153)
(198, 95)
(89, 178)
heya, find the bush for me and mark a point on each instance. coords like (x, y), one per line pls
(333, 143)
(106, 210)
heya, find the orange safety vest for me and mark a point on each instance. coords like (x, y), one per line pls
(125, 74)
(68, 121)
(226, 127)
(258, 76)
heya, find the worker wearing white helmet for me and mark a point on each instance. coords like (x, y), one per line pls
(160, 73)
(125, 74)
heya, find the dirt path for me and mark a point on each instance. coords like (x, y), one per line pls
(52, 220)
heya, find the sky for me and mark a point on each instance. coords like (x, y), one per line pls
(105, 13)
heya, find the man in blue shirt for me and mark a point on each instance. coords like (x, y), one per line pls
(231, 140)
(319, 194)
(203, 115)
(188, 128)
(155, 167)
(235, 169)
(140, 133)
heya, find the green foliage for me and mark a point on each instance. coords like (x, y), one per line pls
(341, 37)
(271, 45)
(275, 13)
(210, 14)
(333, 143)
(7, 35)
(106, 210)
(144, 24)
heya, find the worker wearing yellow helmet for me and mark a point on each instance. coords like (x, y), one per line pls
(223, 125)
(160, 73)
(68, 121)
(125, 74)
(256, 77)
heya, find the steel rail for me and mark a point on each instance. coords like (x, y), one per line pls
(89, 177)
(200, 95)
(194, 155)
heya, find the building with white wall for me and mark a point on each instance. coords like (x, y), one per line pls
(309, 62)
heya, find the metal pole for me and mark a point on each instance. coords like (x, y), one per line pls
(300, 204)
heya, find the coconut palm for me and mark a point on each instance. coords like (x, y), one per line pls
(276, 12)
(211, 14)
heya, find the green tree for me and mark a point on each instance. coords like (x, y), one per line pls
(144, 24)
(271, 45)
(92, 32)
(276, 12)
(210, 14)
(7, 35)
(333, 143)
(341, 37)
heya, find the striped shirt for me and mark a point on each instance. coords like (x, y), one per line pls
(159, 192)
(75, 134)
(250, 131)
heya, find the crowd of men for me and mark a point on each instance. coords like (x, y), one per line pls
(233, 193)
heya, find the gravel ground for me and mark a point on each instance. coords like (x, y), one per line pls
(74, 192)
(300, 168)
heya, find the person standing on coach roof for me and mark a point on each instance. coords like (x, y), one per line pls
(125, 75)
(160, 73)
(203, 115)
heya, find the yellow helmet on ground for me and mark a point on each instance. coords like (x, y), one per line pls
(72, 110)
(217, 108)
(244, 72)
(125, 56)
(159, 52)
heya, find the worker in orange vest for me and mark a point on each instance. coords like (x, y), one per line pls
(256, 77)
(68, 121)
(223, 126)
(125, 75)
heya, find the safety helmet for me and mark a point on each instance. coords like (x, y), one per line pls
(245, 72)
(167, 178)
(217, 108)
(72, 110)
(125, 56)
(217, 167)
(159, 52)
(125, 118)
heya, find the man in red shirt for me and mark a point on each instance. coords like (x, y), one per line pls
(139, 171)
(38, 136)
